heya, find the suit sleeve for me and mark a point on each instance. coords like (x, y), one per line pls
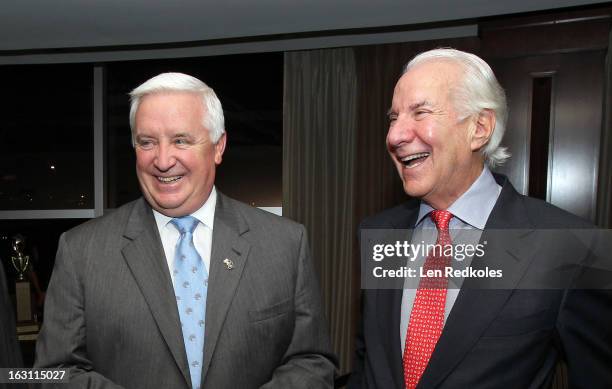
(586, 335)
(10, 355)
(585, 323)
(62, 340)
(308, 361)
(356, 380)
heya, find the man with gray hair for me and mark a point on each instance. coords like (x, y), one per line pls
(446, 122)
(185, 287)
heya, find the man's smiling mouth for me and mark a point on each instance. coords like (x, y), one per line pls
(167, 180)
(414, 160)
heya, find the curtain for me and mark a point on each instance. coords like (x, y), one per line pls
(319, 118)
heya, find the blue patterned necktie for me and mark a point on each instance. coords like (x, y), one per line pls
(191, 287)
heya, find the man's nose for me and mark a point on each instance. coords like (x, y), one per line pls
(165, 158)
(401, 131)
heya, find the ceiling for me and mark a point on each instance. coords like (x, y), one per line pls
(64, 24)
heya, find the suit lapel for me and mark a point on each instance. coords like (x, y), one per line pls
(479, 302)
(389, 305)
(229, 254)
(144, 255)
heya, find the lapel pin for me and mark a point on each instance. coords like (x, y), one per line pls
(228, 263)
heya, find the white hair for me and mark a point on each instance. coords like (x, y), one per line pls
(478, 90)
(179, 82)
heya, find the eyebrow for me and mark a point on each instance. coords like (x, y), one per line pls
(412, 107)
(173, 136)
(418, 105)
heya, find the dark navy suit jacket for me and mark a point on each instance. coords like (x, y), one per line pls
(498, 338)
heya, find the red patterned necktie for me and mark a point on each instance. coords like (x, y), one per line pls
(427, 315)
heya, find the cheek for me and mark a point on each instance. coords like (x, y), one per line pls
(463, 140)
(142, 161)
(193, 162)
(143, 167)
(428, 133)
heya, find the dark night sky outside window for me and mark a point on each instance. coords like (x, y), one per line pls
(46, 137)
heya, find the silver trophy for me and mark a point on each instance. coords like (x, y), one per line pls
(20, 261)
(23, 292)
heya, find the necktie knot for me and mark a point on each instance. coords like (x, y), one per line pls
(185, 224)
(441, 219)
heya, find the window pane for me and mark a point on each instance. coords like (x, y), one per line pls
(46, 137)
(250, 87)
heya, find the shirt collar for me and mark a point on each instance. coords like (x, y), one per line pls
(205, 214)
(475, 205)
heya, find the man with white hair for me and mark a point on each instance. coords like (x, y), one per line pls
(185, 287)
(446, 123)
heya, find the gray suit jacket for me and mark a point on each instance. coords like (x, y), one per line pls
(111, 315)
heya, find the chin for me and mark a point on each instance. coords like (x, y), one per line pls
(414, 188)
(171, 205)
(414, 194)
(165, 202)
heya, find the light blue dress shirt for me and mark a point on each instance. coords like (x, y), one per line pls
(470, 212)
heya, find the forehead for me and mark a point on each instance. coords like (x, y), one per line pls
(169, 107)
(430, 81)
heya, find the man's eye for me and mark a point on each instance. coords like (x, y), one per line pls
(391, 118)
(181, 142)
(144, 144)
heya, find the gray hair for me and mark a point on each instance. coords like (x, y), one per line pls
(478, 90)
(178, 82)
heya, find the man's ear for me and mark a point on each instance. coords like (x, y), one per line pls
(220, 148)
(485, 123)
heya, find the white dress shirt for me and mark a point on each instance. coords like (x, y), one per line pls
(202, 236)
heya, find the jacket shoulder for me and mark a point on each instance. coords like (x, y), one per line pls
(110, 223)
(263, 220)
(546, 215)
(400, 216)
